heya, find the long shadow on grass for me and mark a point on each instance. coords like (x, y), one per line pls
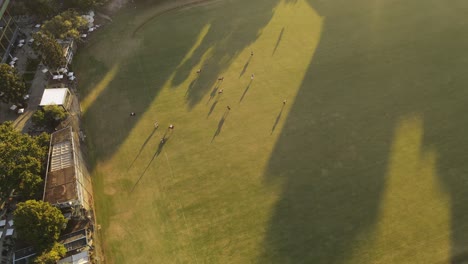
(332, 155)
(245, 91)
(142, 147)
(280, 37)
(230, 33)
(278, 118)
(246, 65)
(152, 61)
(161, 145)
(220, 125)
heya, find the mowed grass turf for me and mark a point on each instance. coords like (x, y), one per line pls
(365, 163)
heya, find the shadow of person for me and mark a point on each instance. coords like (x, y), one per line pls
(277, 119)
(278, 41)
(220, 124)
(213, 106)
(213, 93)
(246, 65)
(161, 144)
(142, 147)
(245, 91)
(192, 85)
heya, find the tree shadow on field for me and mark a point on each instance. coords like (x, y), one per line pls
(145, 71)
(331, 158)
(229, 34)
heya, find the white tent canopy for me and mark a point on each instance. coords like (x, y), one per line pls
(2, 223)
(55, 96)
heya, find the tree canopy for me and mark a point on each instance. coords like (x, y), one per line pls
(22, 161)
(39, 223)
(65, 25)
(11, 85)
(42, 8)
(52, 255)
(49, 117)
(51, 52)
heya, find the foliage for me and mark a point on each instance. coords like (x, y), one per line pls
(65, 25)
(51, 256)
(11, 84)
(31, 64)
(86, 5)
(42, 8)
(39, 223)
(49, 117)
(51, 52)
(18, 8)
(22, 160)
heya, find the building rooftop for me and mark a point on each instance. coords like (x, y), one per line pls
(56, 96)
(61, 183)
(80, 258)
(75, 240)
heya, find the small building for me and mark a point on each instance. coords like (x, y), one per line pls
(56, 96)
(79, 258)
(67, 183)
(77, 244)
(68, 48)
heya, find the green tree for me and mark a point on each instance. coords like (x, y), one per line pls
(30, 184)
(39, 223)
(22, 161)
(51, 256)
(51, 52)
(42, 8)
(65, 25)
(49, 117)
(12, 86)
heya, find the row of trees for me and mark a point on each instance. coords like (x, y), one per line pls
(22, 157)
(22, 161)
(22, 166)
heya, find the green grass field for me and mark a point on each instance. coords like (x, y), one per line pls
(366, 162)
